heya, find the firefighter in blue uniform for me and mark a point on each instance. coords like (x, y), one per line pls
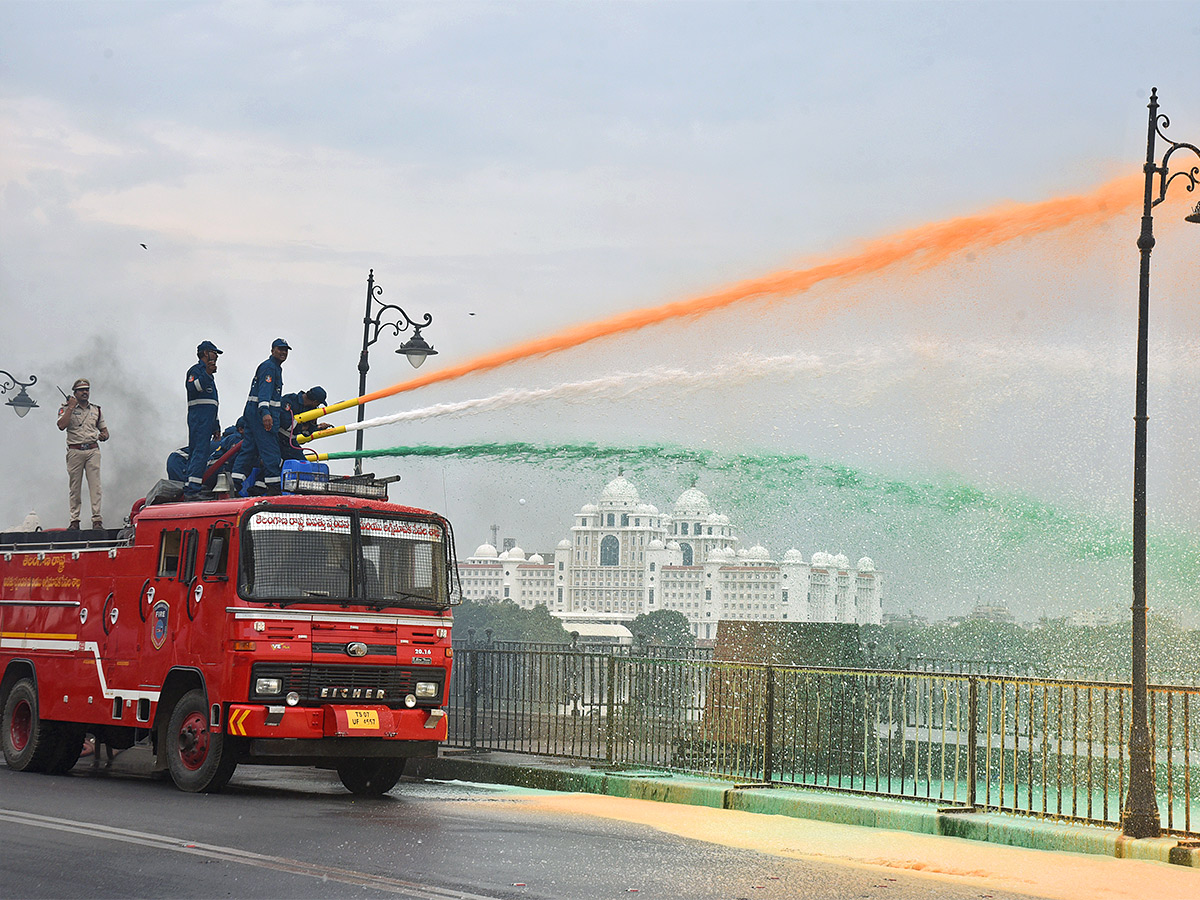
(293, 405)
(203, 427)
(177, 464)
(262, 419)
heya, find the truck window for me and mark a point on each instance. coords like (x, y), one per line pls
(297, 556)
(191, 546)
(216, 557)
(402, 561)
(168, 553)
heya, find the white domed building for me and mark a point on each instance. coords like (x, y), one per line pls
(625, 558)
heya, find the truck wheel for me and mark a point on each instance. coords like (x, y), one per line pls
(200, 758)
(68, 745)
(370, 777)
(28, 741)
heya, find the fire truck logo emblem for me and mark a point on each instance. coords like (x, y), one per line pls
(160, 613)
(356, 648)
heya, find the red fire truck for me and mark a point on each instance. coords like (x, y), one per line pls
(311, 628)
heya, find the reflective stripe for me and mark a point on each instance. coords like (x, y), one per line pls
(201, 402)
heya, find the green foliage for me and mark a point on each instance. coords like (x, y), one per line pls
(508, 622)
(664, 628)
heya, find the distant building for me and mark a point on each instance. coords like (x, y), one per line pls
(624, 557)
(993, 612)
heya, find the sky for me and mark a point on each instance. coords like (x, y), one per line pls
(515, 169)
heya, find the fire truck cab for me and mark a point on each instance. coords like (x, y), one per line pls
(303, 629)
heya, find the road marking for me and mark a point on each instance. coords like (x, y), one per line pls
(245, 857)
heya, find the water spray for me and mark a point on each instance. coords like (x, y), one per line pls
(924, 246)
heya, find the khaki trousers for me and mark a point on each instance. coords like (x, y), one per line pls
(79, 462)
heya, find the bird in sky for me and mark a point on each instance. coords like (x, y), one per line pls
(143, 246)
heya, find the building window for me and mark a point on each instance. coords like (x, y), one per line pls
(610, 550)
(683, 528)
(651, 595)
(611, 519)
(785, 596)
(624, 519)
(708, 595)
(687, 551)
(651, 567)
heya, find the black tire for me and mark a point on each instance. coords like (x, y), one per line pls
(370, 777)
(68, 745)
(200, 758)
(28, 741)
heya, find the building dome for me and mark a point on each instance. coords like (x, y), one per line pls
(485, 551)
(793, 555)
(564, 544)
(758, 551)
(515, 553)
(692, 504)
(719, 553)
(537, 560)
(743, 553)
(647, 509)
(673, 545)
(841, 561)
(866, 564)
(821, 559)
(590, 508)
(655, 544)
(619, 492)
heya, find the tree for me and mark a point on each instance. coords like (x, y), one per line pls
(508, 622)
(664, 628)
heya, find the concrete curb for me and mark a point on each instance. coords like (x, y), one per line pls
(846, 809)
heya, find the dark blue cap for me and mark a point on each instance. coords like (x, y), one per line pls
(316, 394)
(206, 346)
(280, 342)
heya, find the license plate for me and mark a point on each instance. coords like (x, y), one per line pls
(362, 718)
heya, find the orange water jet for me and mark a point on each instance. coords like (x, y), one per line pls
(924, 246)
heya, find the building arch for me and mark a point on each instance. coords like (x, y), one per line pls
(610, 551)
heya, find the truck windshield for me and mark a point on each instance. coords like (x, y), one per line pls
(344, 558)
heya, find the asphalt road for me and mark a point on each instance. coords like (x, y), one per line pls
(297, 833)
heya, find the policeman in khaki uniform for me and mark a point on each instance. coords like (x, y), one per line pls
(85, 427)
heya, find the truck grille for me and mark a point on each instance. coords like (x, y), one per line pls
(362, 684)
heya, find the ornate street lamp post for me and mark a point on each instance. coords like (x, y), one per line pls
(22, 403)
(1139, 814)
(415, 348)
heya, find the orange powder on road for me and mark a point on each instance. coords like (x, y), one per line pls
(927, 245)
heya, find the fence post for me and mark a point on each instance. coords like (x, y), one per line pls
(769, 755)
(473, 695)
(972, 736)
(611, 712)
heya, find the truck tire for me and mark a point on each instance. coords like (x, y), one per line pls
(370, 777)
(68, 745)
(200, 758)
(28, 741)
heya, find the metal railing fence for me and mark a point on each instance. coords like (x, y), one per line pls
(1039, 747)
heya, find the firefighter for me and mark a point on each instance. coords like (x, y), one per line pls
(85, 427)
(177, 465)
(262, 420)
(203, 426)
(293, 405)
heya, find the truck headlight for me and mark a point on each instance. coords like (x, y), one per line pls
(427, 690)
(268, 686)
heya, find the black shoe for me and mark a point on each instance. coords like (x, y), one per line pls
(97, 525)
(74, 526)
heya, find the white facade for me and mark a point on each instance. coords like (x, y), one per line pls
(624, 558)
